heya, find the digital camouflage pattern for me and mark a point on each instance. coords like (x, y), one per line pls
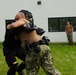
(43, 58)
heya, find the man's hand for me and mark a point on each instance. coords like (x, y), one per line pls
(8, 26)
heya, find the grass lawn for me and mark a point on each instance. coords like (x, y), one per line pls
(63, 54)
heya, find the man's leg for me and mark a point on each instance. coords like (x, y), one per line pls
(21, 54)
(47, 61)
(11, 61)
(71, 38)
(12, 70)
(32, 63)
(20, 68)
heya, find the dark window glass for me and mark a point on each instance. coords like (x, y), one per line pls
(9, 21)
(53, 24)
(73, 22)
(62, 23)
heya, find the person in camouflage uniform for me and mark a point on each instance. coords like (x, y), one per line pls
(43, 58)
(38, 52)
(69, 33)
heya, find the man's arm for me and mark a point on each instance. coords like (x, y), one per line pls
(72, 28)
(65, 29)
(17, 24)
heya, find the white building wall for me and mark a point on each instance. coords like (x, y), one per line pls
(41, 13)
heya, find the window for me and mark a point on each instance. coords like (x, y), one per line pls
(58, 24)
(9, 21)
(53, 24)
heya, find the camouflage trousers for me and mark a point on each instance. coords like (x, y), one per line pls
(70, 38)
(43, 58)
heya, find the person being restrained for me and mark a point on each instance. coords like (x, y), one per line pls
(38, 53)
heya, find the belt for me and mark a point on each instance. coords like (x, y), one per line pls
(41, 42)
(35, 46)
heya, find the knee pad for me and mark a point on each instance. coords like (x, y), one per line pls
(12, 69)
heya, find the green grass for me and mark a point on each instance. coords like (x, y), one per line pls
(64, 56)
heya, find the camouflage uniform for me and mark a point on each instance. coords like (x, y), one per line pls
(43, 58)
(70, 38)
(69, 32)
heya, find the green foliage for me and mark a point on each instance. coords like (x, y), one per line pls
(64, 56)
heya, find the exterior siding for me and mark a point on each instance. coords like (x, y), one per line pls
(41, 13)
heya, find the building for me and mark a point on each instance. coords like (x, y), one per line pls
(43, 12)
